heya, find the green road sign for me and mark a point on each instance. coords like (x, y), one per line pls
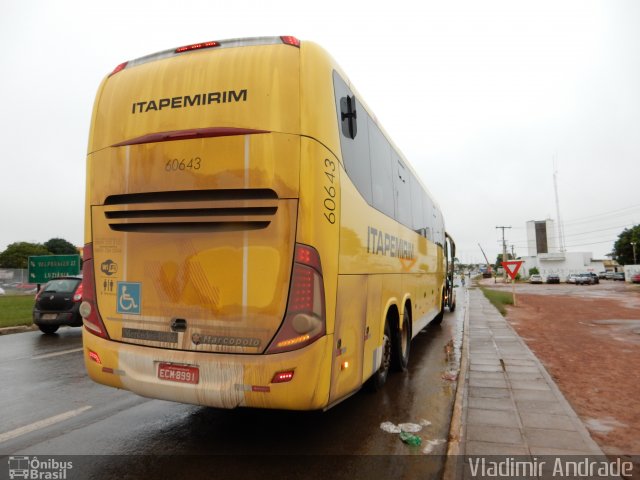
(43, 268)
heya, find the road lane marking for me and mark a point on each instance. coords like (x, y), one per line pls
(42, 424)
(55, 354)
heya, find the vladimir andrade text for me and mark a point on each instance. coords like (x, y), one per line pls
(559, 467)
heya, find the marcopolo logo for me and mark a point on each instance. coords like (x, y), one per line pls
(198, 339)
(38, 469)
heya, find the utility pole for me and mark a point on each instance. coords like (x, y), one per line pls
(504, 252)
(633, 245)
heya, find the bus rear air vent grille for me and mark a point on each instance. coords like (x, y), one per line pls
(191, 211)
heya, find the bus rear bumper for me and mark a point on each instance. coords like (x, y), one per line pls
(223, 380)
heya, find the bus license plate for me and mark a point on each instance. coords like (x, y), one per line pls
(178, 373)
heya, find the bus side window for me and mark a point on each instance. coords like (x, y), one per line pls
(402, 191)
(355, 149)
(381, 170)
(417, 207)
(427, 212)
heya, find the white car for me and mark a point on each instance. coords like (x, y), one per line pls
(2, 292)
(535, 278)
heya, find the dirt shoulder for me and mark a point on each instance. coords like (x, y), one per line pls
(589, 342)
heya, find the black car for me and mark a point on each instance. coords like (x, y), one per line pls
(57, 303)
(553, 278)
(594, 278)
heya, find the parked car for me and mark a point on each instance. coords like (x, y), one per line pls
(587, 279)
(602, 275)
(535, 278)
(580, 279)
(618, 276)
(58, 303)
(594, 278)
(26, 287)
(553, 278)
(584, 279)
(635, 278)
(609, 275)
(2, 292)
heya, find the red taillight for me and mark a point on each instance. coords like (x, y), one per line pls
(289, 40)
(304, 321)
(308, 256)
(119, 68)
(283, 377)
(89, 307)
(197, 46)
(77, 296)
(302, 292)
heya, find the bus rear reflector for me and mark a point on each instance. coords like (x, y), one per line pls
(304, 321)
(94, 356)
(89, 308)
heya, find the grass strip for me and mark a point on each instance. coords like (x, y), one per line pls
(498, 299)
(15, 310)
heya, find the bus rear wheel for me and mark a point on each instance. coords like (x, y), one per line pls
(377, 381)
(402, 344)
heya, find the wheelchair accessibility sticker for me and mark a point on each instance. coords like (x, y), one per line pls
(129, 296)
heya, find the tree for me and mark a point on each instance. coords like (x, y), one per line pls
(623, 250)
(17, 254)
(499, 260)
(59, 246)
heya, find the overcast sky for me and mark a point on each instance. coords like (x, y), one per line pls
(480, 96)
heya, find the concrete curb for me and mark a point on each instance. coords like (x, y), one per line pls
(456, 430)
(18, 329)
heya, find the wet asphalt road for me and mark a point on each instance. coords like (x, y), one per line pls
(51, 408)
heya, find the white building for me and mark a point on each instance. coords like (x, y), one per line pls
(630, 271)
(545, 255)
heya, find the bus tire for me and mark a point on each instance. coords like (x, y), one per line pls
(402, 344)
(377, 381)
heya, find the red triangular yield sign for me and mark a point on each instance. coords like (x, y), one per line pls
(512, 267)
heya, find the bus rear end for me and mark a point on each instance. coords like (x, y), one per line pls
(195, 288)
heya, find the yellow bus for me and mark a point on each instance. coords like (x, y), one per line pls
(253, 237)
